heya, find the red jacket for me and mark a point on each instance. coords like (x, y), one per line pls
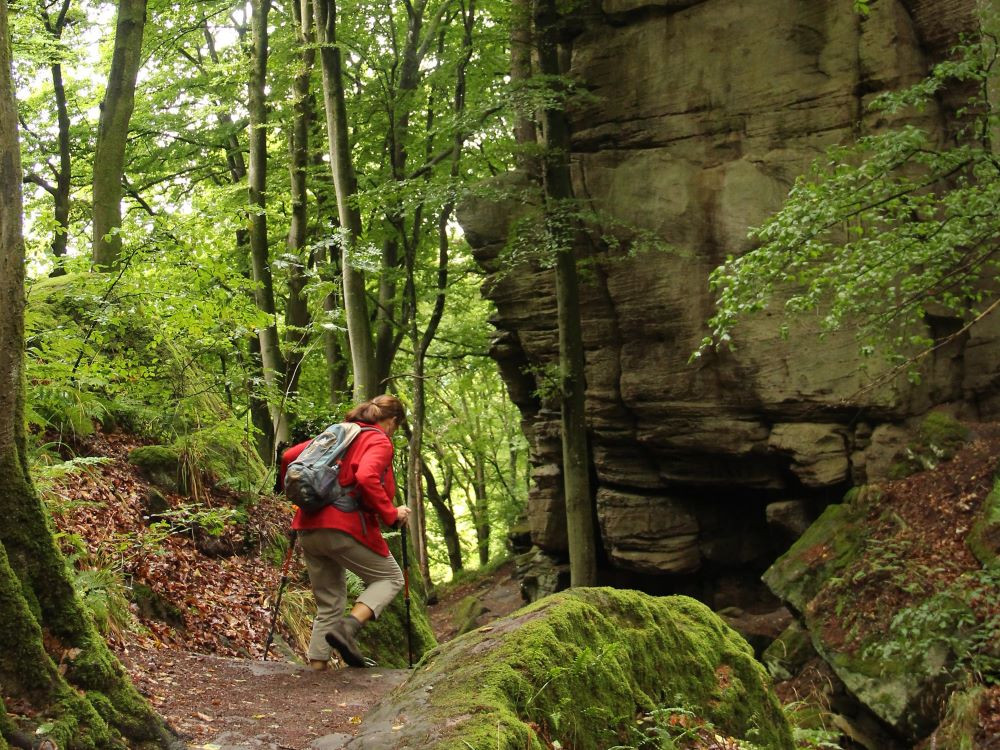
(367, 463)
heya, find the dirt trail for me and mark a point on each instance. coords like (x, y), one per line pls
(222, 703)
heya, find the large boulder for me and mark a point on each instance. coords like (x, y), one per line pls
(698, 117)
(577, 667)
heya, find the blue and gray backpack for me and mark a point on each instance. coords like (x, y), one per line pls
(312, 480)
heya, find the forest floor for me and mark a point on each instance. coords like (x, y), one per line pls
(195, 646)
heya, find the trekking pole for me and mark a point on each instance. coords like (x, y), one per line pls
(406, 596)
(292, 536)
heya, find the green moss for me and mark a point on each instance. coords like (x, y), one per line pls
(579, 665)
(385, 640)
(789, 652)
(465, 614)
(826, 548)
(939, 438)
(153, 606)
(940, 431)
(154, 458)
(6, 725)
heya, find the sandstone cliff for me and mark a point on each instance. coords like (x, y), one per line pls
(700, 116)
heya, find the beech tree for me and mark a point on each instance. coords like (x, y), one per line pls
(87, 701)
(116, 111)
(342, 165)
(55, 24)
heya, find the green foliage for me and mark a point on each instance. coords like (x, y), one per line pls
(961, 619)
(191, 517)
(885, 234)
(102, 589)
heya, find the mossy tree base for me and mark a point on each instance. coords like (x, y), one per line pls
(53, 663)
(577, 667)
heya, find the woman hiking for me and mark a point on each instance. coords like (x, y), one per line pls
(334, 540)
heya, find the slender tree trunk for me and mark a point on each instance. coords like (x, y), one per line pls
(88, 700)
(482, 514)
(386, 326)
(260, 256)
(558, 196)
(355, 298)
(112, 132)
(446, 517)
(61, 190)
(260, 414)
(525, 134)
(297, 317)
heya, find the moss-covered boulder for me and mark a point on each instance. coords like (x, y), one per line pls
(160, 464)
(578, 667)
(827, 546)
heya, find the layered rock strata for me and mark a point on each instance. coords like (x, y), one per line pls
(698, 117)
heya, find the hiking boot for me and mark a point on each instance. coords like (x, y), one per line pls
(341, 637)
(319, 665)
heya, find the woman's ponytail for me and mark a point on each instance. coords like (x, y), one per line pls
(377, 409)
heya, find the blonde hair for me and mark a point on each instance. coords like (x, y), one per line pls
(377, 409)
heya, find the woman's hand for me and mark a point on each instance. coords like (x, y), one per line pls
(403, 514)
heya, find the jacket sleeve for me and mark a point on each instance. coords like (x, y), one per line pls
(374, 463)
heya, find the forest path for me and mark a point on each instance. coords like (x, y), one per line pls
(226, 703)
(222, 703)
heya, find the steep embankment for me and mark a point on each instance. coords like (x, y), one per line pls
(897, 591)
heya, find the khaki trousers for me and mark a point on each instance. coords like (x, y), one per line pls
(328, 553)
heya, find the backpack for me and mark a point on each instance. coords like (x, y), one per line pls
(312, 479)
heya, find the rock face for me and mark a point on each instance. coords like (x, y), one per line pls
(698, 118)
(575, 668)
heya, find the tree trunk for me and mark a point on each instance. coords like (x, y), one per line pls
(446, 516)
(386, 325)
(260, 255)
(482, 514)
(112, 132)
(558, 206)
(88, 701)
(355, 298)
(525, 134)
(61, 190)
(297, 317)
